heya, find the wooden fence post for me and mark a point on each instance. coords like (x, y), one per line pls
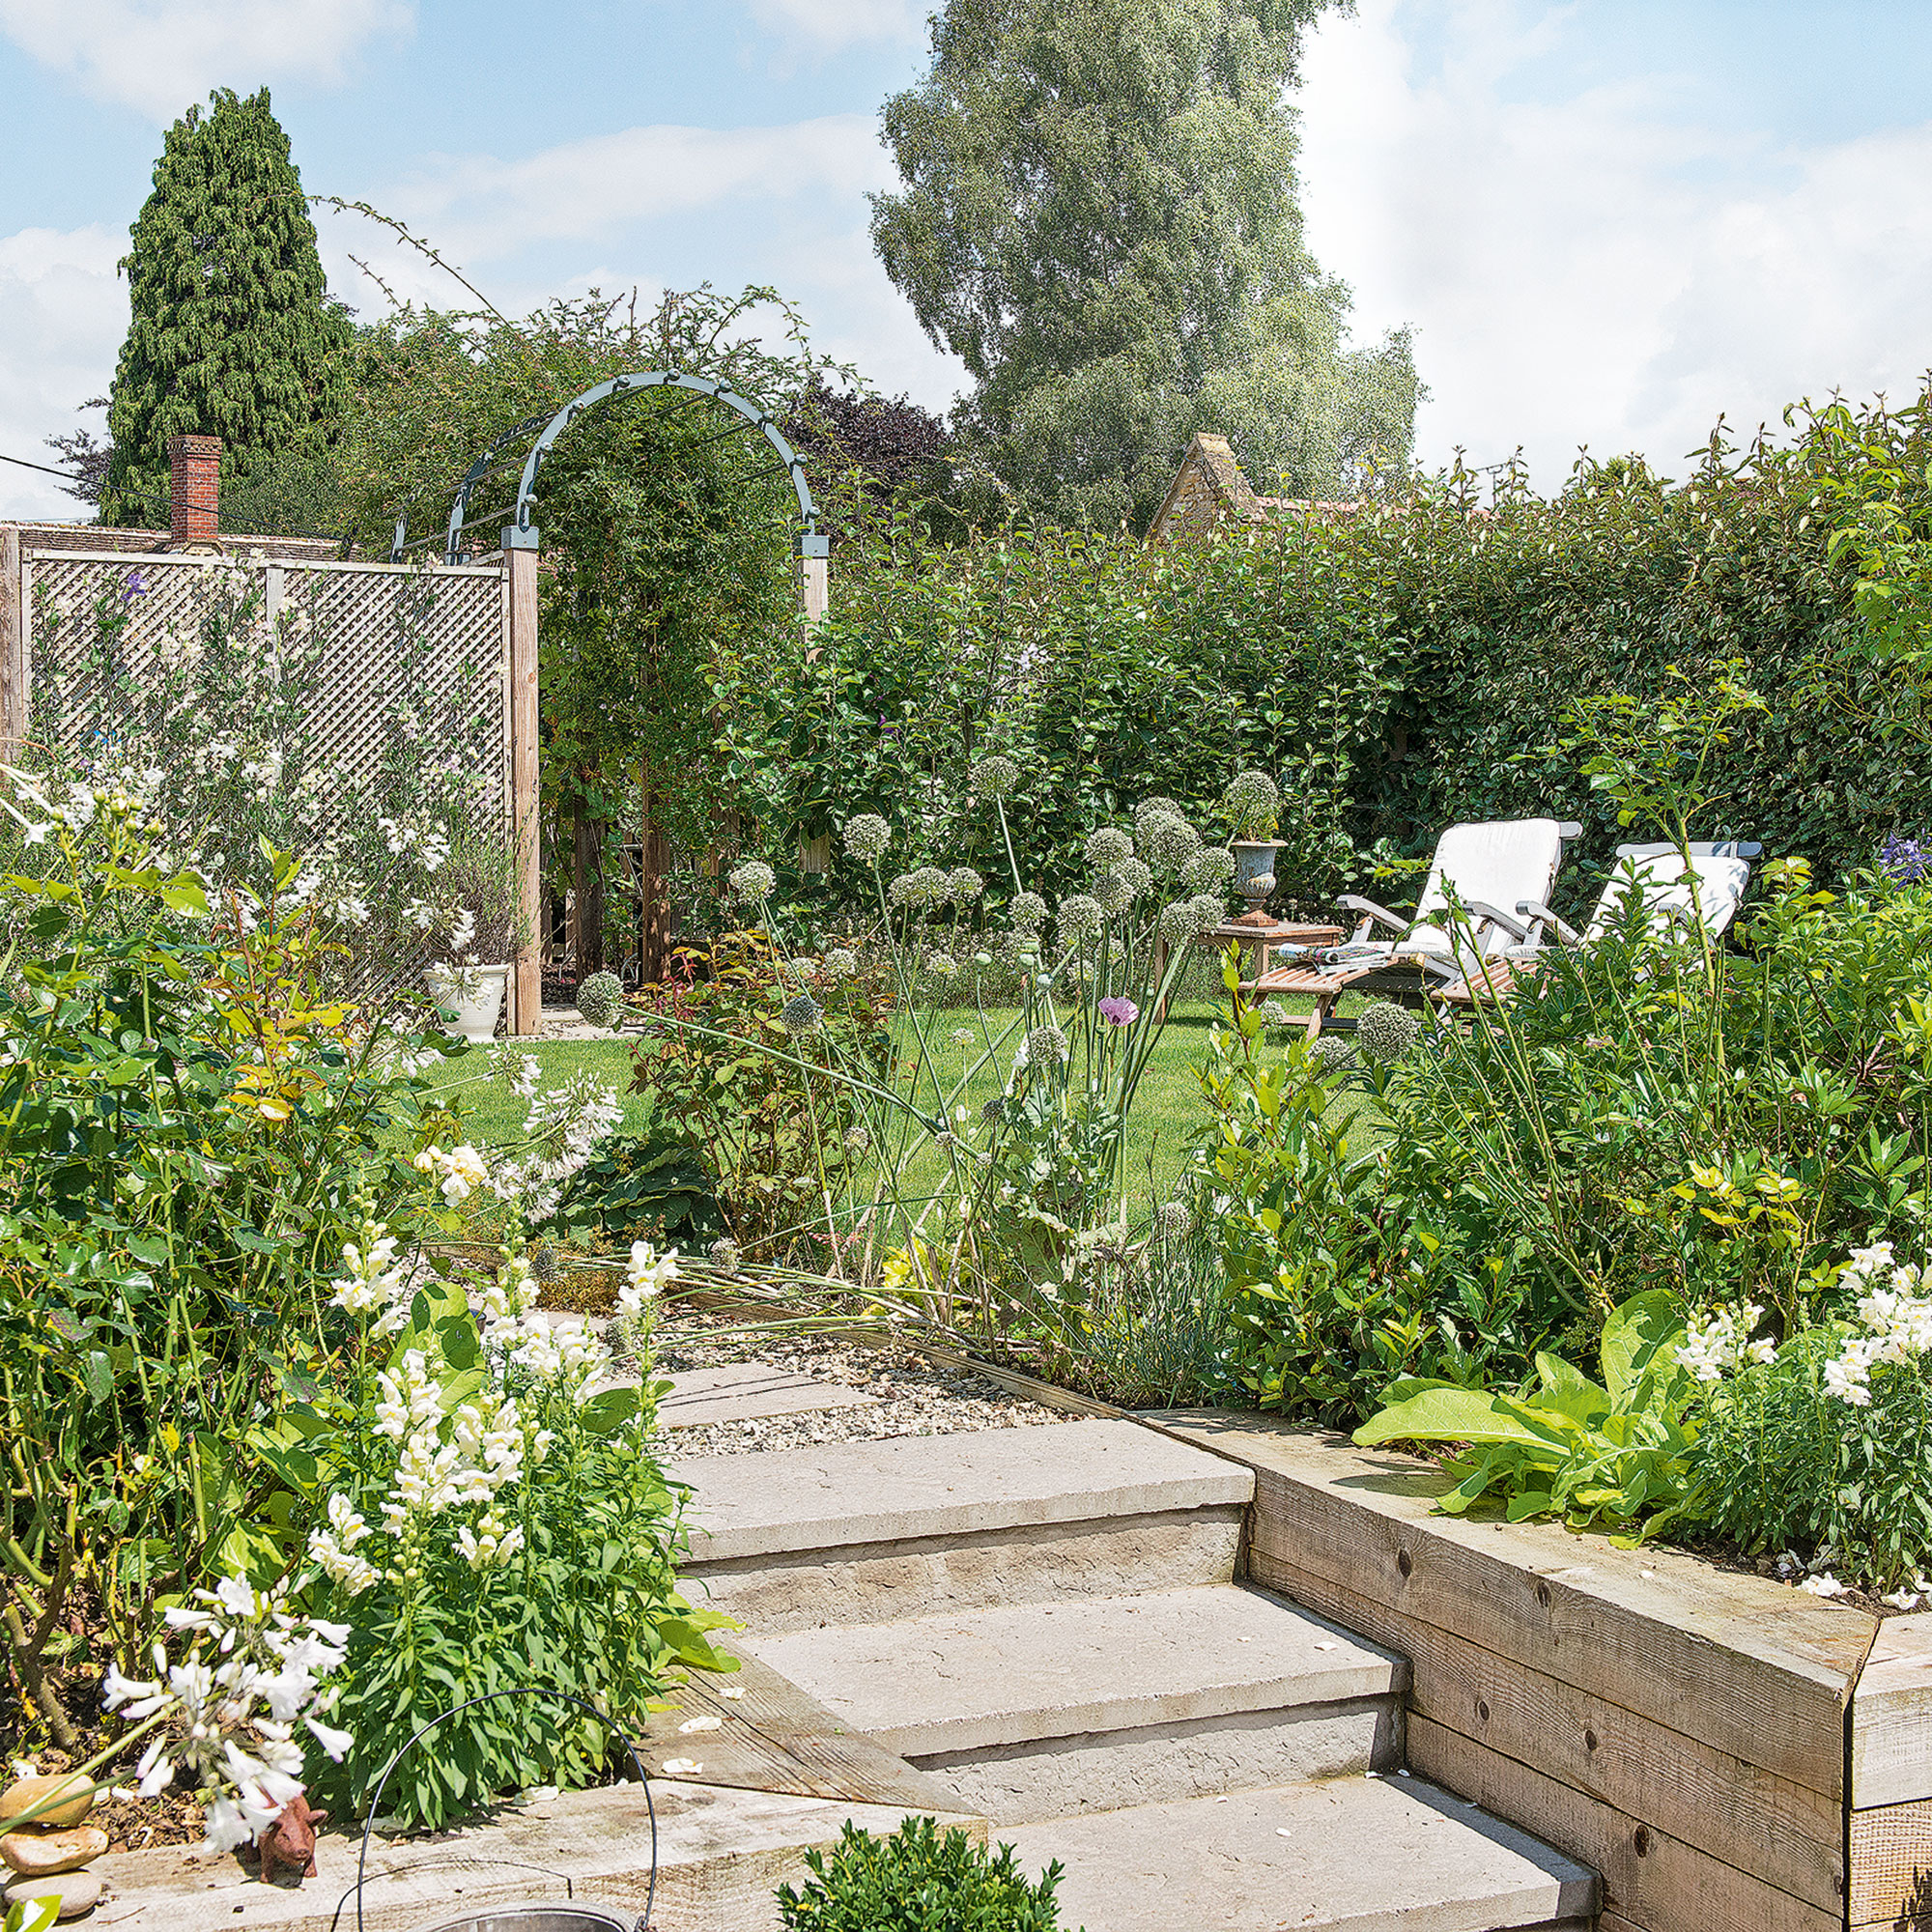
(520, 563)
(12, 645)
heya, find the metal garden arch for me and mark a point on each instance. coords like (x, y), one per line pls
(519, 541)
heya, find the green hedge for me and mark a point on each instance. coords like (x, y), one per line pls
(1400, 670)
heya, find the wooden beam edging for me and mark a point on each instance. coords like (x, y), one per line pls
(1680, 1728)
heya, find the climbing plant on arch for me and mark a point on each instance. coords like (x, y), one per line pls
(655, 518)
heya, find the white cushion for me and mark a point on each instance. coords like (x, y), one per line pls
(1719, 885)
(1515, 858)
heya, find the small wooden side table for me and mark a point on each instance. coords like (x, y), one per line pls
(1257, 930)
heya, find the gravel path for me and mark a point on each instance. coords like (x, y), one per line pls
(914, 1397)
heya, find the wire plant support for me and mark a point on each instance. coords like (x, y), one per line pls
(537, 1918)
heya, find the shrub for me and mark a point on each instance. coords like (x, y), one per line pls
(914, 1880)
(601, 999)
(654, 1185)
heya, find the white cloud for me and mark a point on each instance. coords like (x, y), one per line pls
(159, 56)
(1595, 267)
(63, 312)
(826, 25)
(592, 190)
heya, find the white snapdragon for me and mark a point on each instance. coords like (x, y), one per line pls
(458, 1172)
(1896, 1314)
(1722, 1345)
(647, 1276)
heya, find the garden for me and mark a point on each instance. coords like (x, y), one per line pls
(934, 1018)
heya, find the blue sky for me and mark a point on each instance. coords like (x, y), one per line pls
(1607, 221)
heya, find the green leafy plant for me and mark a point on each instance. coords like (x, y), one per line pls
(1622, 1453)
(1253, 804)
(915, 1881)
(654, 1185)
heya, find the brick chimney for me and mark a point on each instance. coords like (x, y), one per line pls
(194, 490)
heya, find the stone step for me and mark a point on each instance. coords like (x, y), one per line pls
(1347, 1855)
(868, 1532)
(1039, 1709)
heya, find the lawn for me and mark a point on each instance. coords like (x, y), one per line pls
(1168, 1108)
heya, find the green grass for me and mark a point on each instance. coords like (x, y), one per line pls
(1168, 1108)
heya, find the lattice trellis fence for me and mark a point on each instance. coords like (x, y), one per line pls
(383, 673)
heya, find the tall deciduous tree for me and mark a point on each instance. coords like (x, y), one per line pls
(1098, 218)
(233, 332)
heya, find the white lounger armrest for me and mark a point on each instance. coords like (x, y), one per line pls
(1496, 915)
(1539, 914)
(1396, 922)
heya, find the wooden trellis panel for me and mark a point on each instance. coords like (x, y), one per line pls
(432, 643)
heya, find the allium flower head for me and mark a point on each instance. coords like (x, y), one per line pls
(1209, 870)
(1138, 874)
(1108, 848)
(941, 965)
(923, 890)
(866, 837)
(1115, 892)
(1385, 1031)
(1081, 916)
(963, 885)
(1045, 1046)
(800, 1014)
(1334, 1052)
(995, 778)
(841, 962)
(1252, 799)
(1177, 923)
(753, 882)
(1208, 909)
(1167, 844)
(1028, 912)
(1172, 1218)
(1151, 808)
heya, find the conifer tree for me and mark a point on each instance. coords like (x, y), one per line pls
(233, 333)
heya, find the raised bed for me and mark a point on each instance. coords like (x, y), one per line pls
(1714, 1745)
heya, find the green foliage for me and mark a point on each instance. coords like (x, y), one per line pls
(777, 1129)
(653, 1186)
(185, 1120)
(914, 1880)
(233, 334)
(1322, 1315)
(1622, 1453)
(1098, 218)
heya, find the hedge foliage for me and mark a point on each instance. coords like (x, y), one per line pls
(1400, 670)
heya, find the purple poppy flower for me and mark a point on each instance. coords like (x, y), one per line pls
(1119, 1012)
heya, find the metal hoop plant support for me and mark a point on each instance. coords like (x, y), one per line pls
(490, 1697)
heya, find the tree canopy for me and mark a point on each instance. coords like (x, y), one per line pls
(1098, 218)
(233, 333)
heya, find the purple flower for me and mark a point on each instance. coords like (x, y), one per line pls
(1119, 1012)
(1906, 861)
(135, 586)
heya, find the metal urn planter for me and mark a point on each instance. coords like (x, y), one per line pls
(1255, 878)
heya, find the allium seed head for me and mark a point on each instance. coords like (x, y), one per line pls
(866, 837)
(1108, 848)
(1045, 1046)
(995, 778)
(1209, 870)
(963, 885)
(752, 882)
(1081, 916)
(1028, 912)
(1167, 844)
(800, 1014)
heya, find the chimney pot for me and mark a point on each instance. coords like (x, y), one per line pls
(194, 490)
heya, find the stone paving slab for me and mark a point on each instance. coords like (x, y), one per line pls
(1029, 1671)
(720, 1853)
(1350, 1854)
(741, 1391)
(844, 1493)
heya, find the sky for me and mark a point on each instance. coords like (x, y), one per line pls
(1608, 222)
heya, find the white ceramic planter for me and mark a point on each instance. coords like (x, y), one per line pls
(474, 994)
